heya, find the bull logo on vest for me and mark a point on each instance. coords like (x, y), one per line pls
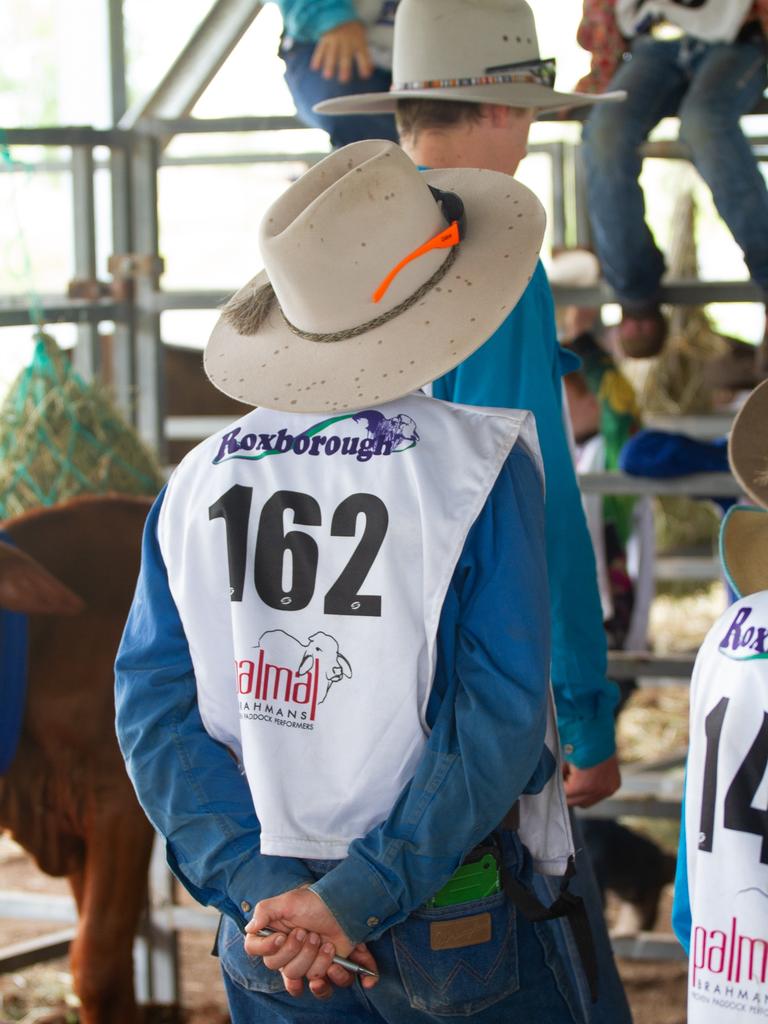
(288, 680)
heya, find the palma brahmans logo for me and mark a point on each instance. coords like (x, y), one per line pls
(376, 435)
(284, 681)
(729, 968)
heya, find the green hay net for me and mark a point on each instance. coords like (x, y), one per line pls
(61, 437)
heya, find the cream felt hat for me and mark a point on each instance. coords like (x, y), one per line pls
(744, 532)
(477, 51)
(448, 253)
(747, 447)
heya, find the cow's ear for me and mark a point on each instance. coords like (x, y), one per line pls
(25, 586)
(346, 668)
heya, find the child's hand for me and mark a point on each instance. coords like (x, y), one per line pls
(342, 48)
(310, 938)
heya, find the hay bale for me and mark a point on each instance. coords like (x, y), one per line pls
(61, 437)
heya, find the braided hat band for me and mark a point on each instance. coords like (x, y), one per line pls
(528, 72)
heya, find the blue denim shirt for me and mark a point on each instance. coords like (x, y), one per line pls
(486, 713)
(520, 367)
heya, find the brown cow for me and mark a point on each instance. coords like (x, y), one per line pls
(66, 797)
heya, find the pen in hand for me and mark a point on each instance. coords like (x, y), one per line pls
(340, 960)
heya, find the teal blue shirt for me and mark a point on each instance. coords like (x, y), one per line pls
(307, 20)
(520, 367)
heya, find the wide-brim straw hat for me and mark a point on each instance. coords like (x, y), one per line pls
(305, 334)
(747, 447)
(744, 548)
(744, 532)
(476, 51)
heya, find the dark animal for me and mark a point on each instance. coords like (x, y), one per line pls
(66, 797)
(632, 867)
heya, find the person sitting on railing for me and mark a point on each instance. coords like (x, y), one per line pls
(711, 74)
(334, 48)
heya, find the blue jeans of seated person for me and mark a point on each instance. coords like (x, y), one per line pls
(309, 87)
(515, 978)
(709, 85)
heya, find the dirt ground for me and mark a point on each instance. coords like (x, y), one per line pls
(43, 994)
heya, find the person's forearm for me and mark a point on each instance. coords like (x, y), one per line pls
(585, 697)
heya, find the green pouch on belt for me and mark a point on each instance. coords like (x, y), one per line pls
(474, 880)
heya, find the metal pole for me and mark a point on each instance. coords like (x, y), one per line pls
(558, 194)
(195, 67)
(156, 954)
(123, 359)
(118, 89)
(123, 368)
(150, 411)
(583, 226)
(86, 355)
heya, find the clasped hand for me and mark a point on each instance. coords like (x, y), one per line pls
(307, 939)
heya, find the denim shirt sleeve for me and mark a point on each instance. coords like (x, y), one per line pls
(307, 20)
(190, 786)
(488, 730)
(519, 367)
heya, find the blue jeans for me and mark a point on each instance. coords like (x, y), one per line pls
(515, 978)
(709, 86)
(611, 1006)
(309, 87)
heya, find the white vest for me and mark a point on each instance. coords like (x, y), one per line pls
(309, 558)
(714, 21)
(726, 820)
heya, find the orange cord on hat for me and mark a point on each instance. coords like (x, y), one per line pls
(444, 240)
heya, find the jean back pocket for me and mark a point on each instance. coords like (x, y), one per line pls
(247, 971)
(475, 962)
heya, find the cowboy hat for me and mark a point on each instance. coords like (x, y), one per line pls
(744, 533)
(378, 278)
(747, 454)
(476, 51)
